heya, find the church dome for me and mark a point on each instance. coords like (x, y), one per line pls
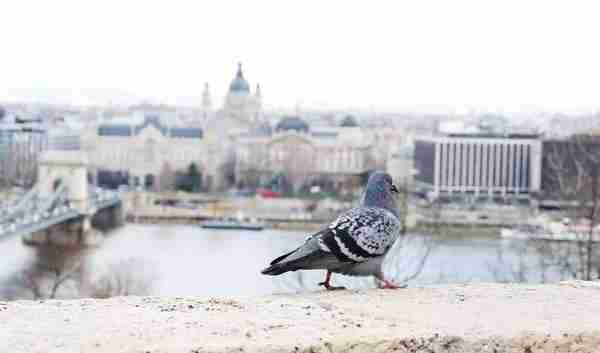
(292, 123)
(239, 83)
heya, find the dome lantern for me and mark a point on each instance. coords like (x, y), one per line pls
(239, 83)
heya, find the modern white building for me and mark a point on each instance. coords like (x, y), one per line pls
(479, 164)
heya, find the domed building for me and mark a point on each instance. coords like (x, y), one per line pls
(148, 138)
(241, 104)
(292, 123)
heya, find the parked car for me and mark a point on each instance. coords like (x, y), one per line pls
(267, 193)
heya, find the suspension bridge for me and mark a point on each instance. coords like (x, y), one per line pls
(61, 199)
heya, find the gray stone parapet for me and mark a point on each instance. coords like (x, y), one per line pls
(498, 318)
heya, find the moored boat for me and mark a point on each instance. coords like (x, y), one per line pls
(232, 224)
(238, 223)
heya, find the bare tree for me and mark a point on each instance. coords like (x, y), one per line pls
(52, 271)
(573, 173)
(30, 280)
(60, 276)
(571, 178)
(411, 251)
(18, 161)
(125, 277)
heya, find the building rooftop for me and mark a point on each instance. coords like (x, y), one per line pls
(292, 123)
(126, 130)
(114, 130)
(492, 135)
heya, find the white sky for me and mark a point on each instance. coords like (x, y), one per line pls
(402, 55)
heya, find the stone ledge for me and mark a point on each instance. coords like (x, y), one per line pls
(453, 318)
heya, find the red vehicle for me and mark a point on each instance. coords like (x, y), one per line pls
(267, 193)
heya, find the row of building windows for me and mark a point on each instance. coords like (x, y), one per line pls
(130, 158)
(339, 161)
(484, 165)
(478, 165)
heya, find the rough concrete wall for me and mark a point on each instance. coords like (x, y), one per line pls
(455, 318)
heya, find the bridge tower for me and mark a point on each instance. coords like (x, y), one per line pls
(62, 209)
(68, 168)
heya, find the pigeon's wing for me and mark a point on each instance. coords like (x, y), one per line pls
(360, 234)
(312, 254)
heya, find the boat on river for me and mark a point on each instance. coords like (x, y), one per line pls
(234, 223)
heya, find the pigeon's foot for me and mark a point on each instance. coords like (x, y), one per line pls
(330, 287)
(386, 284)
(327, 285)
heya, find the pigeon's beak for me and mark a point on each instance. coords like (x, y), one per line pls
(395, 189)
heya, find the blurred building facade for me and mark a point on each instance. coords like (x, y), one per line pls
(149, 141)
(305, 155)
(151, 145)
(479, 164)
(234, 145)
(400, 162)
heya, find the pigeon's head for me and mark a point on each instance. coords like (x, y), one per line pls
(381, 192)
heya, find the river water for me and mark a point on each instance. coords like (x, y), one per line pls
(190, 261)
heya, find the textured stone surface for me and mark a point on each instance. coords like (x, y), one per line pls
(455, 318)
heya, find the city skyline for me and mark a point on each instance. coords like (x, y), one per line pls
(513, 57)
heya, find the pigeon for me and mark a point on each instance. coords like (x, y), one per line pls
(355, 243)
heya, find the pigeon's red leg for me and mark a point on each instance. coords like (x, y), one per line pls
(327, 285)
(386, 284)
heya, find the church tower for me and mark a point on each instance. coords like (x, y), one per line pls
(258, 98)
(257, 104)
(206, 102)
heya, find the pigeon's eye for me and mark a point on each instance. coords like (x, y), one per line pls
(395, 189)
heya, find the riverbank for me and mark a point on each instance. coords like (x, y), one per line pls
(269, 224)
(442, 230)
(454, 318)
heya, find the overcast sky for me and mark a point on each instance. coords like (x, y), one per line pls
(392, 55)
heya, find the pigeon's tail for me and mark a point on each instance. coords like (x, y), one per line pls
(274, 270)
(284, 263)
(307, 257)
(278, 267)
